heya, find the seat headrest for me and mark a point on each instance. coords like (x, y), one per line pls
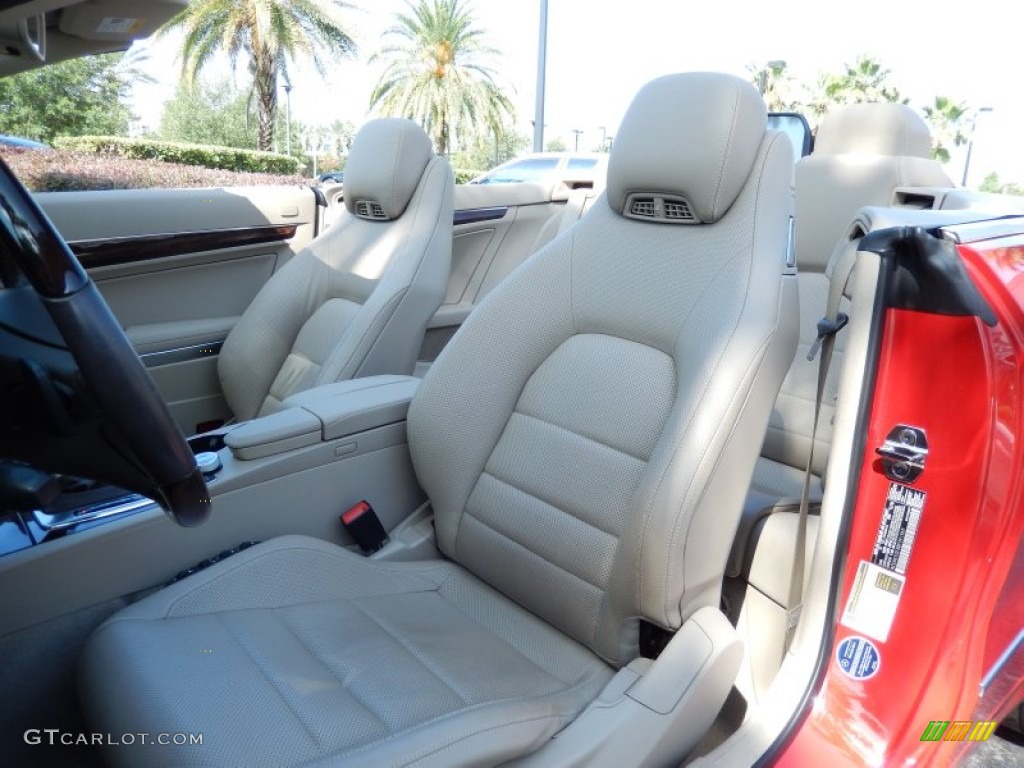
(874, 129)
(685, 148)
(384, 166)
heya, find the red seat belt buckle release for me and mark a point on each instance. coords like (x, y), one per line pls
(365, 527)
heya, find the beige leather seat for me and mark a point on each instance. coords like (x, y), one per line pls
(355, 302)
(585, 440)
(862, 154)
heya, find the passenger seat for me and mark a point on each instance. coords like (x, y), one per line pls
(863, 154)
(355, 302)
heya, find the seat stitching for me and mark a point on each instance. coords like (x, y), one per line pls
(341, 681)
(526, 415)
(505, 642)
(236, 567)
(522, 546)
(472, 708)
(679, 523)
(410, 650)
(547, 503)
(682, 432)
(260, 668)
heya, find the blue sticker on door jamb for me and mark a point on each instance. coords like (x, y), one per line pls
(858, 658)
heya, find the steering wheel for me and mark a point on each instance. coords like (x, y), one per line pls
(117, 381)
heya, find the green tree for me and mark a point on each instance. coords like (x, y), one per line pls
(866, 80)
(269, 33)
(993, 184)
(209, 114)
(436, 73)
(778, 87)
(946, 119)
(72, 98)
(488, 148)
(555, 145)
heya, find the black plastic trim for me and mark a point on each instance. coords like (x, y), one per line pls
(476, 215)
(927, 274)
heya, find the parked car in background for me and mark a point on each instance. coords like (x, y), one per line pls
(549, 167)
(331, 177)
(18, 141)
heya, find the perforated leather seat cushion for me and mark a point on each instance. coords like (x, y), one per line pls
(339, 659)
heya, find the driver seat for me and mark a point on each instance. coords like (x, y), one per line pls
(586, 440)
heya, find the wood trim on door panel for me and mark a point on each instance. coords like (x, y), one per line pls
(105, 252)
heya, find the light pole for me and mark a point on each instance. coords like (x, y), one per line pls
(604, 136)
(970, 142)
(287, 118)
(577, 132)
(542, 57)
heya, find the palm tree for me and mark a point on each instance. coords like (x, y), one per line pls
(269, 33)
(863, 81)
(946, 119)
(776, 86)
(436, 75)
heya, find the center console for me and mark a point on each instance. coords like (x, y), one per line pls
(312, 429)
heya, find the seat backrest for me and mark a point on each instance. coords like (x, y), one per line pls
(356, 301)
(862, 154)
(586, 437)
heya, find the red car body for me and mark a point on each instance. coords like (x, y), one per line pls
(954, 651)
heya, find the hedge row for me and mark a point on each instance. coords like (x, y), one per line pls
(462, 175)
(63, 171)
(225, 158)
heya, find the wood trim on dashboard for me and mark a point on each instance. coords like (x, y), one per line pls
(476, 215)
(105, 252)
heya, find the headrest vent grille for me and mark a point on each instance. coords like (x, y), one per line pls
(368, 209)
(669, 209)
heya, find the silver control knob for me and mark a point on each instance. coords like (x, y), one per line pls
(209, 463)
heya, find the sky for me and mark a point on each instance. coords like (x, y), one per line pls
(600, 53)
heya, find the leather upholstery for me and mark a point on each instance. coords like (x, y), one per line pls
(888, 129)
(298, 652)
(626, 348)
(585, 440)
(385, 165)
(701, 151)
(862, 153)
(355, 302)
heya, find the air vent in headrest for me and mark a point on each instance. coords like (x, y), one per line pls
(367, 209)
(670, 209)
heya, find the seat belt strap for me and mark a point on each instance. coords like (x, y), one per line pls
(828, 327)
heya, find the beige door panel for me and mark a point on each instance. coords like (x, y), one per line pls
(192, 391)
(496, 229)
(107, 214)
(165, 297)
(178, 267)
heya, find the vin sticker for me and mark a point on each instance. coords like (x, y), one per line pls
(858, 658)
(872, 604)
(896, 533)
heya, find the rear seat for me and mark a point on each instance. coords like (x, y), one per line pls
(863, 153)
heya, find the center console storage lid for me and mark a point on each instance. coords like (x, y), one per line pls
(356, 405)
(324, 413)
(283, 431)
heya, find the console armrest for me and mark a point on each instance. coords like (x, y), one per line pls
(325, 413)
(279, 432)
